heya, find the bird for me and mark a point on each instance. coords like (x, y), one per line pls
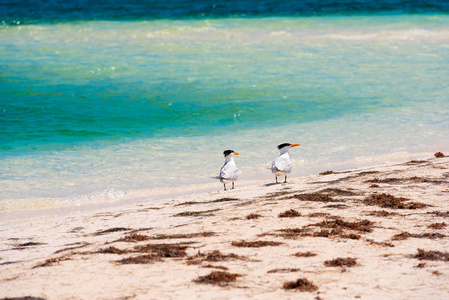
(283, 165)
(229, 171)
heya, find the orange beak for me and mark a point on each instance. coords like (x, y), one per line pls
(236, 153)
(296, 145)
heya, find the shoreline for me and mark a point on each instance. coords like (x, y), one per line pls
(370, 233)
(112, 198)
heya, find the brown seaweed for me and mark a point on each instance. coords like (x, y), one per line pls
(183, 236)
(290, 232)
(437, 225)
(217, 277)
(205, 213)
(284, 270)
(52, 261)
(304, 254)
(431, 255)
(252, 216)
(111, 250)
(389, 201)
(110, 230)
(314, 197)
(84, 244)
(226, 199)
(439, 155)
(439, 213)
(341, 262)
(215, 267)
(291, 213)
(301, 284)
(163, 250)
(381, 213)
(327, 173)
(255, 244)
(134, 238)
(338, 192)
(338, 223)
(28, 244)
(428, 235)
(213, 256)
(141, 259)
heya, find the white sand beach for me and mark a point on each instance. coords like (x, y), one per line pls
(373, 233)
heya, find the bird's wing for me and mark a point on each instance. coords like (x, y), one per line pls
(229, 171)
(282, 164)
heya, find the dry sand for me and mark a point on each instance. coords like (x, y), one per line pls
(372, 233)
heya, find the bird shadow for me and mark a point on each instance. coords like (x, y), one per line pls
(273, 183)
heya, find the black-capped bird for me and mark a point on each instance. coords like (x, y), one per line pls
(283, 165)
(229, 171)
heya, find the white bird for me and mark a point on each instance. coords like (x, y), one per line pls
(283, 165)
(229, 171)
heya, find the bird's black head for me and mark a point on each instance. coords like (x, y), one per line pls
(284, 145)
(227, 152)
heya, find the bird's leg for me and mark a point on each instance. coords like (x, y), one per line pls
(276, 179)
(285, 180)
(224, 186)
(233, 185)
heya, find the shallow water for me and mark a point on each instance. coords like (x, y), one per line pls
(101, 107)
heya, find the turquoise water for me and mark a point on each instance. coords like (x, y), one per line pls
(107, 105)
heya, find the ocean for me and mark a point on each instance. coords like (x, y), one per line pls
(102, 98)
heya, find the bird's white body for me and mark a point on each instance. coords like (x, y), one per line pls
(282, 165)
(229, 171)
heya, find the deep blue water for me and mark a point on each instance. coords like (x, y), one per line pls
(42, 11)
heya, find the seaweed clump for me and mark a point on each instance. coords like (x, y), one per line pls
(134, 238)
(205, 213)
(52, 261)
(437, 225)
(439, 155)
(327, 173)
(110, 230)
(28, 244)
(291, 213)
(290, 232)
(111, 250)
(341, 262)
(141, 259)
(339, 224)
(405, 235)
(217, 277)
(301, 284)
(380, 213)
(337, 227)
(253, 216)
(431, 255)
(439, 213)
(304, 254)
(389, 201)
(213, 256)
(255, 244)
(315, 197)
(183, 236)
(284, 270)
(163, 250)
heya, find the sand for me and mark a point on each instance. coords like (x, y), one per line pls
(373, 233)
